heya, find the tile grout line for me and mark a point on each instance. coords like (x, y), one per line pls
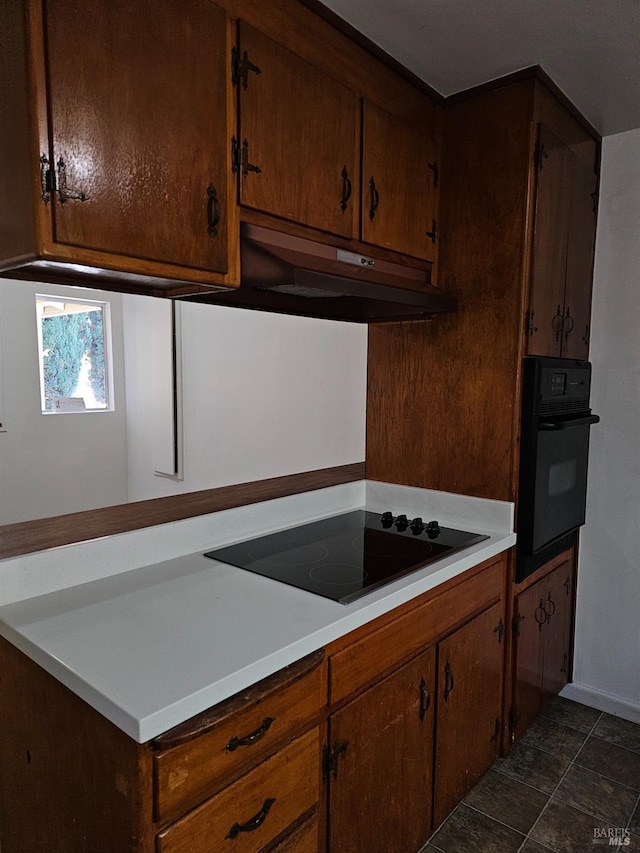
(633, 811)
(560, 781)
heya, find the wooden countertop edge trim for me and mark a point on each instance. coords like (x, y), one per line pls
(44, 533)
(202, 723)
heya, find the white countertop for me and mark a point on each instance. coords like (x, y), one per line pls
(151, 645)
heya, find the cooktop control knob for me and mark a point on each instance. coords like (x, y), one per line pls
(433, 529)
(402, 522)
(416, 525)
(386, 519)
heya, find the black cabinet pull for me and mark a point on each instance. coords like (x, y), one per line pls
(252, 737)
(213, 211)
(563, 668)
(552, 607)
(543, 614)
(346, 189)
(375, 199)
(448, 682)
(433, 233)
(425, 699)
(557, 322)
(499, 630)
(567, 585)
(254, 822)
(568, 317)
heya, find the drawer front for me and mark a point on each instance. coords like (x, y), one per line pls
(187, 774)
(255, 809)
(367, 658)
(304, 839)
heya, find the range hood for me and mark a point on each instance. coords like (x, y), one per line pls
(293, 275)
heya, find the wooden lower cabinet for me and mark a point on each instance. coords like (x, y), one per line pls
(299, 763)
(381, 743)
(469, 718)
(543, 631)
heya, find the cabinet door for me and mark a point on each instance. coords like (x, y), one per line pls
(300, 129)
(530, 619)
(557, 633)
(580, 249)
(468, 722)
(551, 230)
(380, 796)
(399, 185)
(137, 98)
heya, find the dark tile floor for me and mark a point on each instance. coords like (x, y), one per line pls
(570, 782)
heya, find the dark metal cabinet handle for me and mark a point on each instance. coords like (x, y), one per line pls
(541, 614)
(252, 737)
(567, 585)
(213, 211)
(425, 699)
(254, 822)
(375, 199)
(64, 193)
(552, 607)
(557, 323)
(433, 234)
(563, 668)
(346, 189)
(448, 682)
(499, 630)
(567, 318)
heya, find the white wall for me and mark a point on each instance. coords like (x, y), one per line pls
(53, 464)
(607, 651)
(264, 395)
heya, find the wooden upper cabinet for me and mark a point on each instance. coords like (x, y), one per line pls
(298, 138)
(139, 141)
(563, 246)
(399, 185)
(580, 253)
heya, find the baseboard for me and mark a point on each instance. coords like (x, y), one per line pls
(602, 701)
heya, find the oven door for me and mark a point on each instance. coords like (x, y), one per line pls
(560, 478)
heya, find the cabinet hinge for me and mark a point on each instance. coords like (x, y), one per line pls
(515, 625)
(594, 201)
(240, 159)
(436, 172)
(240, 68)
(330, 757)
(433, 233)
(540, 155)
(47, 183)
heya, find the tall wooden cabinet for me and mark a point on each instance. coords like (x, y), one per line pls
(558, 319)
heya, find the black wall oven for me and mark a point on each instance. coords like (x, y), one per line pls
(554, 451)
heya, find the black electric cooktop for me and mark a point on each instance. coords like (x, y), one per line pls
(348, 555)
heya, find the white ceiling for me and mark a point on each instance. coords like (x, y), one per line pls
(590, 48)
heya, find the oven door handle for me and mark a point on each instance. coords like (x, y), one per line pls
(568, 423)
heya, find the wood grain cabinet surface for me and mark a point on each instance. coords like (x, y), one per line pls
(125, 164)
(400, 179)
(558, 322)
(299, 135)
(543, 631)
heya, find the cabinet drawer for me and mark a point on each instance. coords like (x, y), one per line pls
(255, 809)
(367, 658)
(206, 754)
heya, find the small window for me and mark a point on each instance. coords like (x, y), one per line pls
(74, 345)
